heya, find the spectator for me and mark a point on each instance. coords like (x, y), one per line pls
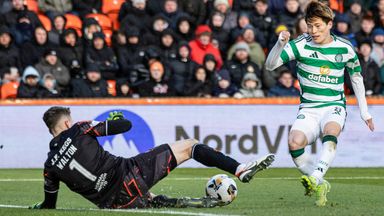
(137, 17)
(159, 24)
(369, 70)
(123, 89)
(284, 86)
(168, 45)
(263, 21)
(202, 45)
(155, 7)
(36, 47)
(57, 29)
(243, 5)
(172, 12)
(51, 64)
(125, 9)
(256, 52)
(343, 28)
(132, 53)
(209, 65)
(224, 87)
(199, 85)
(355, 15)
(368, 4)
(378, 46)
(182, 68)
(243, 20)
(219, 34)
(9, 53)
(84, 7)
(90, 26)
(53, 7)
(18, 7)
(290, 14)
(102, 56)
(223, 7)
(93, 86)
(9, 75)
(365, 33)
(71, 52)
(49, 87)
(184, 28)
(240, 64)
(29, 86)
(300, 27)
(157, 86)
(250, 87)
(196, 9)
(23, 29)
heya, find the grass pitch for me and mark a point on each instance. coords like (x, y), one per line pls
(356, 191)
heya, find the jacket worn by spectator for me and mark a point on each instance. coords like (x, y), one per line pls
(371, 76)
(26, 90)
(224, 91)
(196, 9)
(91, 87)
(9, 53)
(60, 6)
(280, 90)
(138, 18)
(58, 70)
(71, 55)
(84, 7)
(35, 50)
(198, 88)
(265, 25)
(247, 92)
(238, 69)
(10, 18)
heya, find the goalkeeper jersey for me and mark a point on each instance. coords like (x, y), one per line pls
(320, 69)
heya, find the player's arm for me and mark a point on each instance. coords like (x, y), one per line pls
(51, 189)
(278, 55)
(354, 70)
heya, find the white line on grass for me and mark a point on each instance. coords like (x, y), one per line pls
(201, 179)
(140, 211)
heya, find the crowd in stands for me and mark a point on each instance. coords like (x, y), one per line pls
(168, 48)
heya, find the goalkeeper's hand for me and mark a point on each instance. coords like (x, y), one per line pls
(115, 115)
(36, 206)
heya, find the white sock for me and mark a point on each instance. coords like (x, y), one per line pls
(304, 163)
(328, 153)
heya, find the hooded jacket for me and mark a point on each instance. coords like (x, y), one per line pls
(71, 56)
(248, 92)
(9, 56)
(35, 51)
(27, 91)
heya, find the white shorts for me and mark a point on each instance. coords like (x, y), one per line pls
(311, 121)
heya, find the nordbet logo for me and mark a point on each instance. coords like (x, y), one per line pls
(323, 79)
(140, 134)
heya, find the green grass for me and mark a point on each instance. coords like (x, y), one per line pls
(268, 194)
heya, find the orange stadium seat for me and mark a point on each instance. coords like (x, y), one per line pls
(32, 5)
(74, 22)
(45, 21)
(103, 20)
(108, 36)
(9, 90)
(112, 8)
(115, 20)
(111, 87)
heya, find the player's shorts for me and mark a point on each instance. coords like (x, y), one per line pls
(145, 170)
(311, 121)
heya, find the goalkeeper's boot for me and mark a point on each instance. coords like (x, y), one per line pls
(246, 171)
(309, 183)
(204, 202)
(321, 193)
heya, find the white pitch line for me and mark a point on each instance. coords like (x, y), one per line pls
(204, 179)
(140, 211)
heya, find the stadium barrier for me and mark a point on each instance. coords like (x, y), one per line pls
(242, 128)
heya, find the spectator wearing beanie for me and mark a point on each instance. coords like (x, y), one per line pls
(240, 64)
(71, 52)
(29, 86)
(202, 45)
(263, 21)
(9, 53)
(182, 68)
(223, 7)
(199, 85)
(84, 7)
(256, 52)
(91, 87)
(10, 18)
(102, 56)
(137, 16)
(224, 88)
(157, 86)
(57, 29)
(36, 47)
(51, 64)
(196, 9)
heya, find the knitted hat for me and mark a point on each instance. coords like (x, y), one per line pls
(218, 2)
(242, 46)
(201, 29)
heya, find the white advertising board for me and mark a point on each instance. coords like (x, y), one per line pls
(244, 132)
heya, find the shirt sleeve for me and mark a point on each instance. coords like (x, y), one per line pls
(353, 64)
(51, 183)
(105, 128)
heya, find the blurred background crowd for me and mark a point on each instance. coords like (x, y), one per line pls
(168, 48)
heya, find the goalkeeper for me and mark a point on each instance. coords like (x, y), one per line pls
(108, 181)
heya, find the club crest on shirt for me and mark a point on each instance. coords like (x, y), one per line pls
(250, 69)
(339, 58)
(325, 70)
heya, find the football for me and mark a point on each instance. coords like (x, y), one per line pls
(222, 187)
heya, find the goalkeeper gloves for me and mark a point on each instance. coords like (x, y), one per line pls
(115, 115)
(36, 206)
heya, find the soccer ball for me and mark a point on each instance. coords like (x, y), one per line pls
(222, 187)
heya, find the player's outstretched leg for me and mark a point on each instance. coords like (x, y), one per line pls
(186, 149)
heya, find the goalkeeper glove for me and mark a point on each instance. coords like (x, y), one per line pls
(115, 115)
(36, 206)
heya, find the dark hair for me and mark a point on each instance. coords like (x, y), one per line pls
(320, 10)
(53, 115)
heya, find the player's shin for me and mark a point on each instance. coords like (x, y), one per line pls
(212, 158)
(303, 161)
(328, 153)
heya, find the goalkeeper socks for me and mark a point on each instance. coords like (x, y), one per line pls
(212, 158)
(303, 161)
(328, 153)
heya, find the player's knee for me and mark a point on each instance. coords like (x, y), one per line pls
(296, 142)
